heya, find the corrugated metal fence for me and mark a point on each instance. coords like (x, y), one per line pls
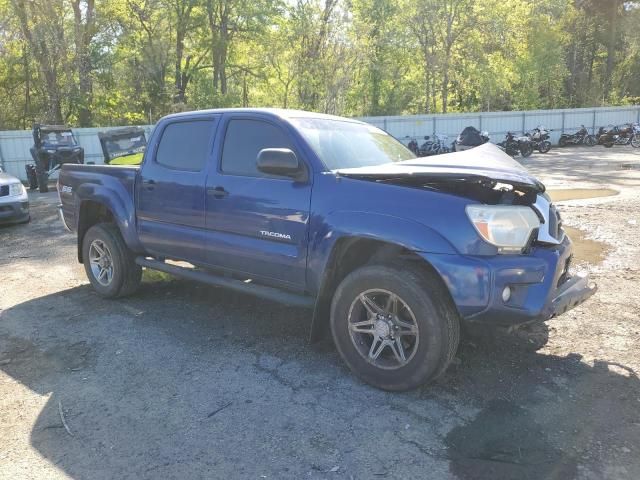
(499, 123)
(15, 145)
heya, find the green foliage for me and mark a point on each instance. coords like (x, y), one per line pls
(112, 62)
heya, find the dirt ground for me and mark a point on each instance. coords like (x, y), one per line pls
(189, 381)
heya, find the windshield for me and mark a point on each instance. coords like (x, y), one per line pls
(343, 144)
(57, 138)
(126, 150)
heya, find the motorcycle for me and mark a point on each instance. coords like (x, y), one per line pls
(627, 134)
(470, 137)
(539, 136)
(581, 137)
(413, 146)
(513, 145)
(635, 139)
(434, 146)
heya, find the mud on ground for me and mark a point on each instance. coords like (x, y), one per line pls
(188, 381)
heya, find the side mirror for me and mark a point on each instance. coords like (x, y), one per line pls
(280, 161)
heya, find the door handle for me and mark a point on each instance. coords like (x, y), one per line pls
(217, 192)
(149, 184)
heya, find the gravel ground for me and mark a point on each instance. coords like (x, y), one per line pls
(189, 381)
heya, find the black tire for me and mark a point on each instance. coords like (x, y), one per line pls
(526, 150)
(635, 141)
(42, 178)
(544, 147)
(590, 140)
(438, 325)
(126, 274)
(562, 142)
(608, 144)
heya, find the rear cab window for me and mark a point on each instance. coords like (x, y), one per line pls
(186, 145)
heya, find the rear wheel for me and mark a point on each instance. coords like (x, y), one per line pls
(544, 147)
(108, 262)
(635, 141)
(608, 144)
(395, 328)
(562, 142)
(590, 140)
(42, 177)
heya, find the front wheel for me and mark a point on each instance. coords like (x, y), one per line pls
(635, 141)
(108, 262)
(544, 147)
(526, 150)
(395, 328)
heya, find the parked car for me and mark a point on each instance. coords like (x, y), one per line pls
(53, 146)
(393, 253)
(14, 201)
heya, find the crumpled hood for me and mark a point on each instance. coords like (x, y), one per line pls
(6, 179)
(486, 162)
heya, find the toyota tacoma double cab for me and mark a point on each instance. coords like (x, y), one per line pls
(393, 253)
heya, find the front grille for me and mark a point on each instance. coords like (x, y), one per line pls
(4, 190)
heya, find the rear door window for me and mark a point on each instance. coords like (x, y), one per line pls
(185, 145)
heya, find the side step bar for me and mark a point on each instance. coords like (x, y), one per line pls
(262, 291)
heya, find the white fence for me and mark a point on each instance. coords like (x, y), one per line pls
(499, 123)
(15, 145)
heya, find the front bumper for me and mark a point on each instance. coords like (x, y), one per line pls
(15, 211)
(539, 284)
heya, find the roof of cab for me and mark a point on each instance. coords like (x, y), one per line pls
(275, 112)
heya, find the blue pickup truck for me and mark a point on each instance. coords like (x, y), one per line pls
(393, 253)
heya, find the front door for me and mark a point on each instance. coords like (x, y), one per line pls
(257, 223)
(171, 190)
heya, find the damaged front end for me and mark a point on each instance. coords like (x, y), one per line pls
(526, 278)
(484, 174)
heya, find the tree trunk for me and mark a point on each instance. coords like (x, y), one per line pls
(84, 32)
(611, 47)
(46, 60)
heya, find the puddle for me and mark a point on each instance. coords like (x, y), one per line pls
(561, 194)
(585, 250)
(505, 442)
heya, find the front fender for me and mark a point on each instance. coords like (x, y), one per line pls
(390, 229)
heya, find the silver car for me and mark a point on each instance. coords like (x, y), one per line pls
(14, 201)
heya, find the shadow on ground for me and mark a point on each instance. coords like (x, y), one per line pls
(188, 381)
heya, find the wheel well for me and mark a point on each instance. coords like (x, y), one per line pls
(350, 254)
(91, 213)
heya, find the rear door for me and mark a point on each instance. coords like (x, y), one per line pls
(257, 224)
(171, 189)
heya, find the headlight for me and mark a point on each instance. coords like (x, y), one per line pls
(505, 226)
(16, 189)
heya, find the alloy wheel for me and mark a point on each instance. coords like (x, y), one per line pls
(101, 262)
(383, 329)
